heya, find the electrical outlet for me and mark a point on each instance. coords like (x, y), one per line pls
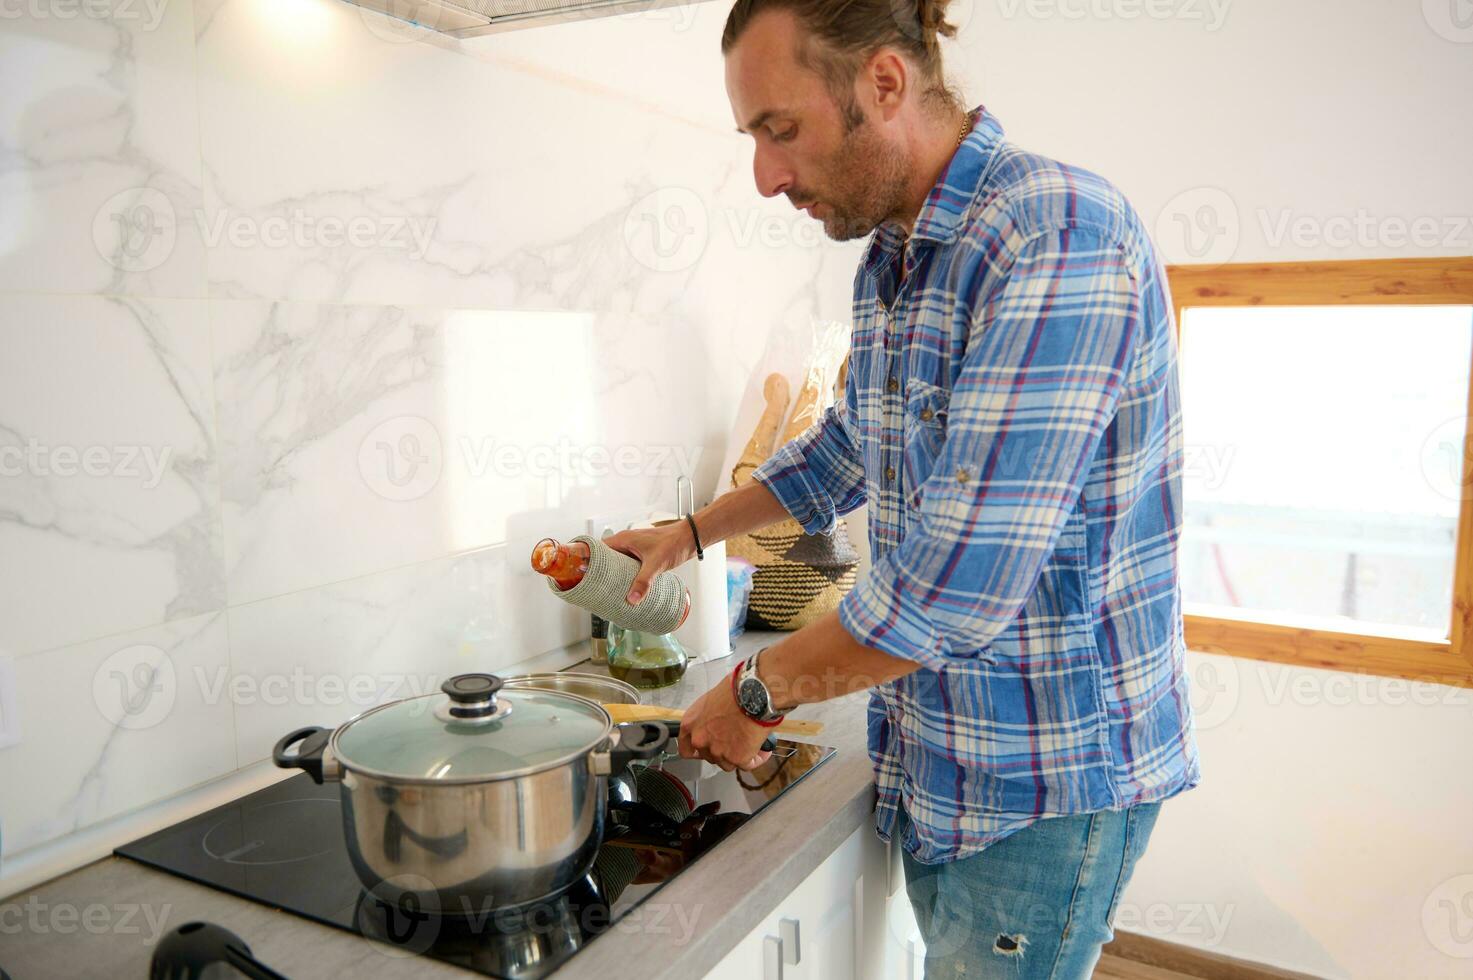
(9, 705)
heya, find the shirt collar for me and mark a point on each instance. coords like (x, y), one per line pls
(940, 217)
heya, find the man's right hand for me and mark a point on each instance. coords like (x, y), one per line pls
(658, 549)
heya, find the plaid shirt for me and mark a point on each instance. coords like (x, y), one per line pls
(1012, 420)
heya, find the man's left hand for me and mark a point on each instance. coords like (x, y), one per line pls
(717, 730)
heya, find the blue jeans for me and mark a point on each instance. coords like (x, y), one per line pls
(1035, 905)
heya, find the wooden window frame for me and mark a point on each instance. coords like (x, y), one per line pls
(1369, 282)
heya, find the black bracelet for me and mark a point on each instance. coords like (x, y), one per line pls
(700, 552)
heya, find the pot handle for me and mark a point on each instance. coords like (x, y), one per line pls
(769, 744)
(638, 740)
(647, 739)
(308, 758)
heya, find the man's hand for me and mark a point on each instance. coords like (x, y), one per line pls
(716, 729)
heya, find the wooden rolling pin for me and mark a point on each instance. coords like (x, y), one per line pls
(648, 712)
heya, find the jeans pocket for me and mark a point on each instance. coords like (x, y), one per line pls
(1140, 820)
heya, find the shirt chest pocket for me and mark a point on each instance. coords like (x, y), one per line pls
(923, 434)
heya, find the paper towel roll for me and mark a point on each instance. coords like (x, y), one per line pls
(706, 632)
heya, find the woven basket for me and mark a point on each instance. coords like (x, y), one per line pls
(799, 577)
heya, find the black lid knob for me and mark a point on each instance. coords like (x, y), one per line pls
(472, 688)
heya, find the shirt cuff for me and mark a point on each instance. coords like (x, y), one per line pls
(787, 475)
(885, 612)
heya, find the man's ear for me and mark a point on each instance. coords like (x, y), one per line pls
(887, 76)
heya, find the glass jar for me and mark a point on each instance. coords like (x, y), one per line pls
(646, 660)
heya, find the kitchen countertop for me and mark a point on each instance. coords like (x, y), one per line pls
(106, 916)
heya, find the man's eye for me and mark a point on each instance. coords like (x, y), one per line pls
(785, 135)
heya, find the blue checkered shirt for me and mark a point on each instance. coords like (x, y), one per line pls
(1012, 420)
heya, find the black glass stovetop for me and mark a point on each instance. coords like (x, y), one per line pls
(283, 846)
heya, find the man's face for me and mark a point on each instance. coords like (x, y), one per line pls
(843, 171)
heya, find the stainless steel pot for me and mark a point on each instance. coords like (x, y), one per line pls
(476, 798)
(594, 687)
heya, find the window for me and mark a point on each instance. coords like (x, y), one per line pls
(1328, 463)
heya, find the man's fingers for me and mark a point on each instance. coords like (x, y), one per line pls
(687, 750)
(640, 585)
(756, 761)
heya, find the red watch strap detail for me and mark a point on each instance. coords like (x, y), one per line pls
(736, 696)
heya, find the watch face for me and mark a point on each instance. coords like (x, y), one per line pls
(752, 696)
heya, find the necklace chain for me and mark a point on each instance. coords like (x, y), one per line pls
(960, 139)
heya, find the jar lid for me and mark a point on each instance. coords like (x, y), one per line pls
(471, 732)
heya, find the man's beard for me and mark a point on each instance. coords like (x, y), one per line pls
(863, 184)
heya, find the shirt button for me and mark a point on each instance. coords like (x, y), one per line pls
(927, 415)
(963, 475)
(890, 473)
(892, 384)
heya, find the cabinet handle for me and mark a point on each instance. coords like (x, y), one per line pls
(772, 958)
(788, 930)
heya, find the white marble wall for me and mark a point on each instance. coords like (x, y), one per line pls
(310, 324)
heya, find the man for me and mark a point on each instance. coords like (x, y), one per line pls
(1012, 420)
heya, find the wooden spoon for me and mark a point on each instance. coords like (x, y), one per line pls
(622, 713)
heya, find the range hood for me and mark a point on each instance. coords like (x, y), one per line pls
(471, 18)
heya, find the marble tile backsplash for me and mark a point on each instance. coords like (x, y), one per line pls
(311, 323)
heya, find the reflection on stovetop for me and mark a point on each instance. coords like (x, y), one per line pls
(283, 846)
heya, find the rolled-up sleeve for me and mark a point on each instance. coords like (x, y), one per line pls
(1050, 348)
(819, 475)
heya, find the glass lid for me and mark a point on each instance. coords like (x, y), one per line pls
(472, 731)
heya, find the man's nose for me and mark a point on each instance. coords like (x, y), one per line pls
(772, 175)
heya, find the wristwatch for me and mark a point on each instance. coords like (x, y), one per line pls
(752, 695)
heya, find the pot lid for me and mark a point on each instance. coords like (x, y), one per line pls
(472, 731)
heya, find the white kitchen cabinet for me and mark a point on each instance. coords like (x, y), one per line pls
(831, 927)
